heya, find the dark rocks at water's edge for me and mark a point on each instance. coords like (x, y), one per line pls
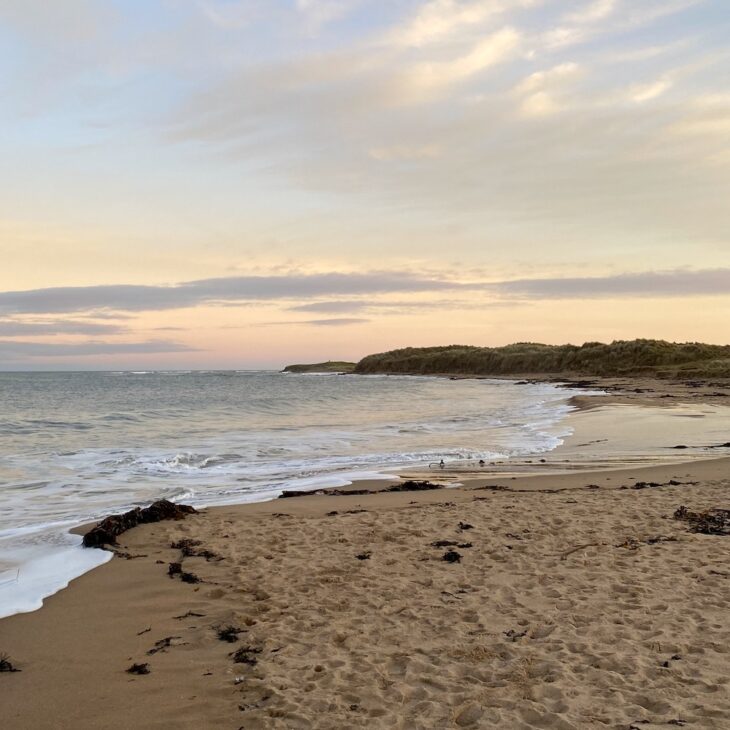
(407, 486)
(107, 531)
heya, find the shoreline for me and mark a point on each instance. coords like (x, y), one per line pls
(630, 390)
(593, 418)
(344, 603)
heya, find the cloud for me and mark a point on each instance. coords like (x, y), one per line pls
(12, 350)
(431, 77)
(602, 17)
(542, 92)
(336, 322)
(405, 152)
(404, 306)
(331, 322)
(24, 328)
(657, 284)
(592, 12)
(646, 92)
(72, 21)
(339, 307)
(440, 18)
(126, 298)
(318, 13)
(293, 287)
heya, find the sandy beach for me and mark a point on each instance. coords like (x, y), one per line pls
(566, 599)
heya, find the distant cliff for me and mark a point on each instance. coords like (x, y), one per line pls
(636, 357)
(331, 366)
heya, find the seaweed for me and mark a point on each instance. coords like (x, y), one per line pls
(711, 522)
(653, 485)
(162, 644)
(451, 557)
(229, 633)
(107, 531)
(6, 665)
(186, 545)
(450, 543)
(139, 669)
(632, 543)
(246, 655)
(188, 549)
(174, 569)
(413, 486)
(407, 486)
(514, 635)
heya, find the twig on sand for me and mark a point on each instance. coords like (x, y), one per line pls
(565, 554)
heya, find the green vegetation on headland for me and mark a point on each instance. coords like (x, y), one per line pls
(331, 366)
(651, 358)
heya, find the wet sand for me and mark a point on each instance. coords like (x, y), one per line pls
(574, 600)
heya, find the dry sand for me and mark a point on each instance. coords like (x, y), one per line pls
(550, 620)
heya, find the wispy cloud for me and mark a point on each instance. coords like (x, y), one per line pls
(297, 290)
(592, 12)
(542, 91)
(438, 20)
(330, 322)
(433, 77)
(131, 298)
(25, 328)
(13, 350)
(655, 284)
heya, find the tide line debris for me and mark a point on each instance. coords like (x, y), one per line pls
(711, 522)
(407, 486)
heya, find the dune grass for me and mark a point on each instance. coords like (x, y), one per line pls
(635, 357)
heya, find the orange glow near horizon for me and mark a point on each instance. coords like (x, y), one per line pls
(363, 177)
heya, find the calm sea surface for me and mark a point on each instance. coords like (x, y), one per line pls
(77, 446)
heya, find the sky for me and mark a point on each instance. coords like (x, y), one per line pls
(250, 183)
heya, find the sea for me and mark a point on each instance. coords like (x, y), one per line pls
(75, 447)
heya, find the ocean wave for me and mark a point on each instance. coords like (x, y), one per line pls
(78, 446)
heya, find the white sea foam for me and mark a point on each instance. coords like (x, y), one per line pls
(44, 571)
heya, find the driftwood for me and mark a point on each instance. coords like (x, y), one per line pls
(107, 531)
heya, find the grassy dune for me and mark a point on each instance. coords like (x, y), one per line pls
(636, 357)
